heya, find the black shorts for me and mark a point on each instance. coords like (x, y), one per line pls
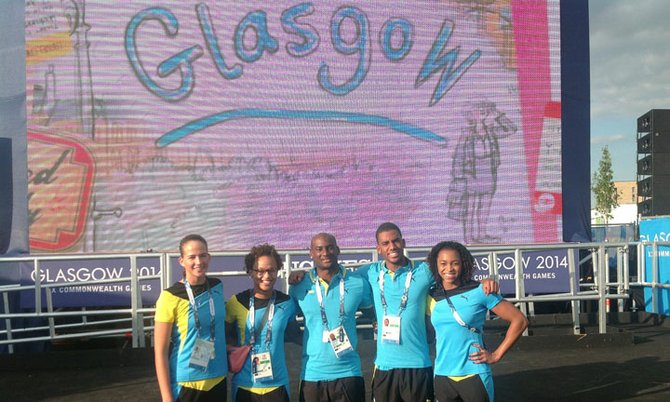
(217, 394)
(403, 385)
(278, 395)
(469, 389)
(347, 389)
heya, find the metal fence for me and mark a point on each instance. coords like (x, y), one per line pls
(595, 275)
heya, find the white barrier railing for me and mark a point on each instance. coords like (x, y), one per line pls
(598, 288)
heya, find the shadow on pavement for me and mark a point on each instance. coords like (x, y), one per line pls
(630, 364)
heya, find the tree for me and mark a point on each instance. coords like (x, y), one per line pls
(607, 197)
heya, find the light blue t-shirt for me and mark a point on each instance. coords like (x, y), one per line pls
(173, 306)
(319, 362)
(413, 346)
(453, 341)
(237, 312)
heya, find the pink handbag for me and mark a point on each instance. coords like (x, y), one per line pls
(237, 356)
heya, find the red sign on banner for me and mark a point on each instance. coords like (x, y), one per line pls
(60, 180)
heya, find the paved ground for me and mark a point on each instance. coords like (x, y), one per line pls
(630, 363)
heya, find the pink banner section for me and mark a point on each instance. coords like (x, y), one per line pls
(534, 72)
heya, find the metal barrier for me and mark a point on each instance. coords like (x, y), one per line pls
(134, 320)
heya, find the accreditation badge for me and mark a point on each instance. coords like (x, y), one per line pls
(203, 352)
(391, 329)
(339, 341)
(261, 366)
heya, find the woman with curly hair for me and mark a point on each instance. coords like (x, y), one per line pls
(458, 309)
(261, 317)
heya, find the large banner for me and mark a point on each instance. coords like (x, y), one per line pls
(96, 282)
(544, 271)
(106, 282)
(262, 121)
(90, 282)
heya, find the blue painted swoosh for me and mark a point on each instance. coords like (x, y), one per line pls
(324, 115)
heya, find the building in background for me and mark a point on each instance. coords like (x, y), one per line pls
(626, 212)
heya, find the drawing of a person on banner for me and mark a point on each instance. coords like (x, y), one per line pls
(474, 171)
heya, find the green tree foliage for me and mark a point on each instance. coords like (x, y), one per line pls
(603, 188)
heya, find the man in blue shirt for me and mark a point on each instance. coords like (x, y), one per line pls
(329, 297)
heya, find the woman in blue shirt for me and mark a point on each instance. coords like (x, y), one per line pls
(458, 309)
(260, 317)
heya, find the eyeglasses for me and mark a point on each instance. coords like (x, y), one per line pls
(261, 272)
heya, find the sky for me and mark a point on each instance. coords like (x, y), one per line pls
(630, 75)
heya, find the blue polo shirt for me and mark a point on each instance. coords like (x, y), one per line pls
(453, 341)
(413, 346)
(173, 306)
(319, 362)
(237, 312)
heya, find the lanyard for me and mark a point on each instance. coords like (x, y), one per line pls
(252, 318)
(196, 314)
(319, 297)
(457, 316)
(403, 299)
